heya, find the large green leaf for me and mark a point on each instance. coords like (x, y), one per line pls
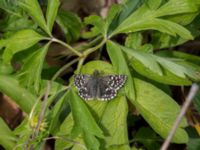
(31, 70)
(167, 77)
(7, 138)
(170, 8)
(19, 41)
(177, 54)
(21, 96)
(84, 122)
(144, 58)
(153, 62)
(34, 10)
(51, 13)
(117, 56)
(114, 123)
(159, 110)
(145, 18)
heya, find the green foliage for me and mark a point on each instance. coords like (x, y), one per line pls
(7, 137)
(131, 34)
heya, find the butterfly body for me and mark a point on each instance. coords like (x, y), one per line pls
(98, 87)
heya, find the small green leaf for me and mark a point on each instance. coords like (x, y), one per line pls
(34, 10)
(5, 69)
(21, 96)
(20, 41)
(58, 113)
(148, 138)
(70, 24)
(31, 70)
(51, 13)
(196, 101)
(7, 138)
(99, 25)
(117, 56)
(134, 40)
(159, 110)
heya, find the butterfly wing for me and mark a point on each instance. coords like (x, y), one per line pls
(82, 83)
(108, 86)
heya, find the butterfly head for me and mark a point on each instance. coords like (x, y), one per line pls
(96, 73)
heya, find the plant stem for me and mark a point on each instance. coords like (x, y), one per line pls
(67, 46)
(90, 50)
(80, 63)
(193, 91)
(64, 68)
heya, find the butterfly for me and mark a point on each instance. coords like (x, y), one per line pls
(98, 87)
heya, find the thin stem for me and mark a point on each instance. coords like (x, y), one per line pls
(80, 63)
(188, 100)
(90, 50)
(68, 140)
(67, 46)
(90, 44)
(64, 68)
(43, 108)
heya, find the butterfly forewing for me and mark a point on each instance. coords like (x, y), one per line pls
(82, 82)
(109, 85)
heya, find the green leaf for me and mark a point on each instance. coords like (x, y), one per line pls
(144, 58)
(145, 18)
(32, 68)
(10, 7)
(84, 122)
(114, 123)
(58, 113)
(148, 138)
(196, 101)
(116, 56)
(153, 63)
(159, 110)
(180, 69)
(118, 13)
(70, 24)
(170, 8)
(7, 138)
(167, 77)
(134, 40)
(52, 9)
(20, 41)
(21, 96)
(99, 26)
(5, 69)
(154, 4)
(32, 7)
(193, 144)
(112, 13)
(177, 54)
